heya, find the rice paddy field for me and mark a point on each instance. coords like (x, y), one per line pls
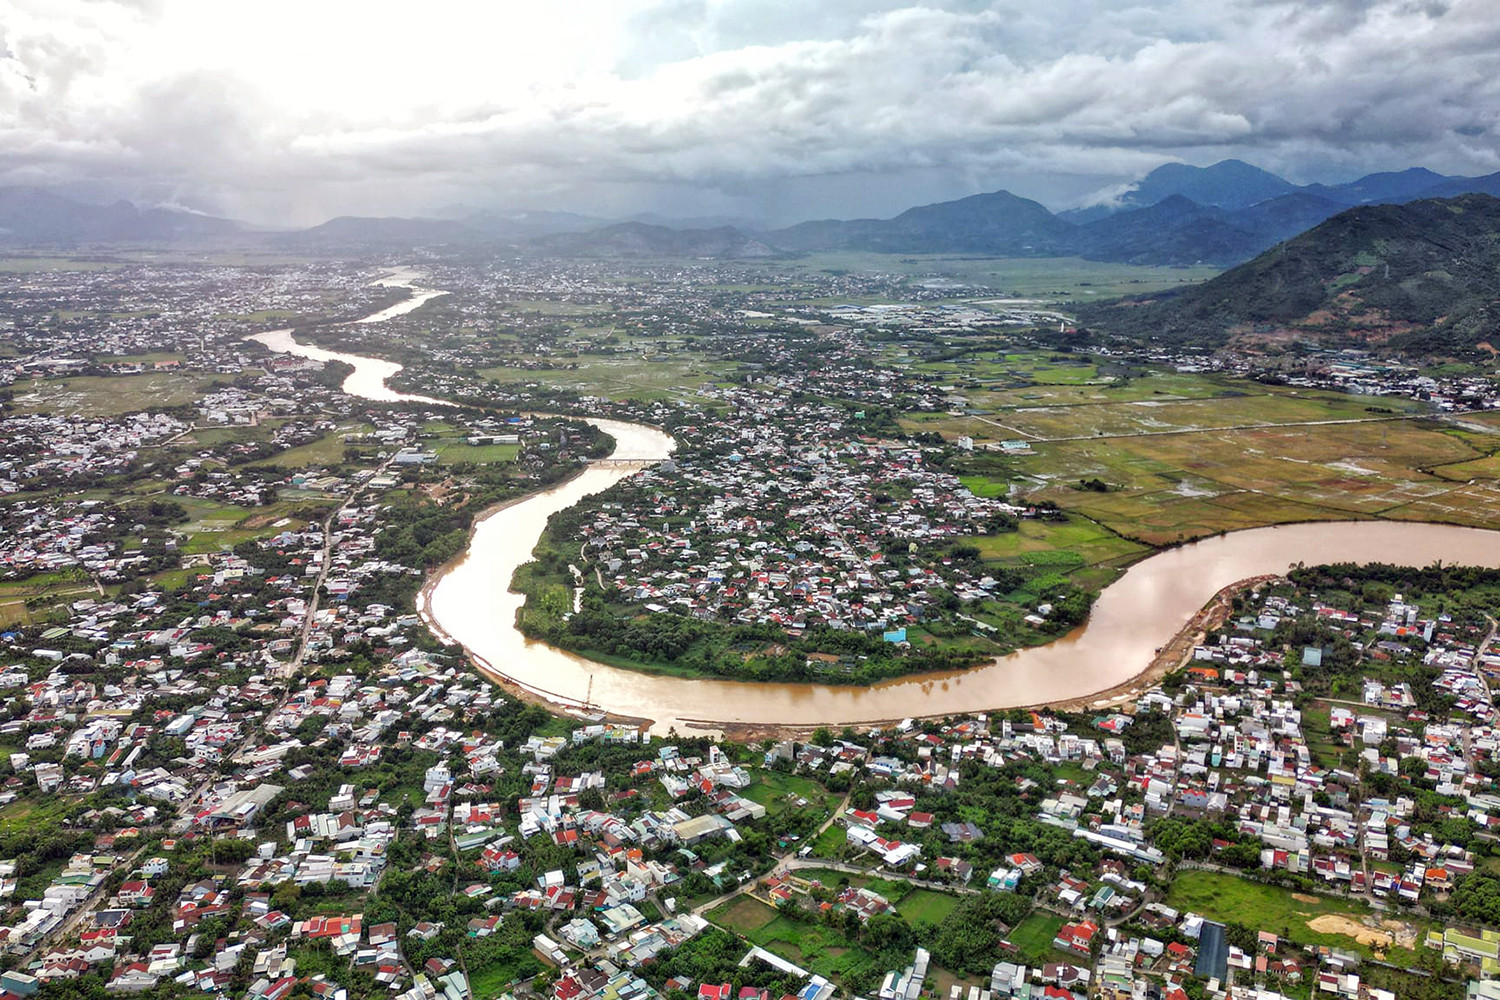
(1055, 279)
(1184, 455)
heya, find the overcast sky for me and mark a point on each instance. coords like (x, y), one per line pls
(292, 112)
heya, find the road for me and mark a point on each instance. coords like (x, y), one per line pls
(293, 666)
(64, 930)
(781, 861)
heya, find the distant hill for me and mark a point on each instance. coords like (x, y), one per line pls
(529, 225)
(1488, 184)
(999, 223)
(1403, 185)
(1177, 214)
(637, 239)
(353, 230)
(1175, 230)
(1227, 184)
(31, 215)
(1423, 276)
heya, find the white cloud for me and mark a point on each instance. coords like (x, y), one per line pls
(278, 110)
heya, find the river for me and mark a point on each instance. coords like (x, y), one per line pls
(472, 604)
(370, 374)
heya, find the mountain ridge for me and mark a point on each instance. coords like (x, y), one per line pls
(1222, 215)
(1420, 276)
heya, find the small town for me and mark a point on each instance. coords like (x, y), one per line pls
(242, 763)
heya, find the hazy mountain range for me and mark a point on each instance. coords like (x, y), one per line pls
(1177, 214)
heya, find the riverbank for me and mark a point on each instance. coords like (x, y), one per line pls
(1135, 630)
(507, 684)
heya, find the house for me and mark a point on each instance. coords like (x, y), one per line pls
(1076, 938)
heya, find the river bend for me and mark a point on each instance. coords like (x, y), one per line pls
(472, 604)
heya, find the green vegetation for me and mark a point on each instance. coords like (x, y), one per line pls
(1286, 913)
(1033, 936)
(1048, 279)
(1420, 276)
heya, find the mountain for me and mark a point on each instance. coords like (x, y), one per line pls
(1175, 230)
(692, 221)
(1277, 219)
(362, 231)
(529, 225)
(1421, 276)
(636, 239)
(1227, 184)
(997, 223)
(34, 215)
(1487, 184)
(1403, 185)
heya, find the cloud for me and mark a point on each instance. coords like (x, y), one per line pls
(278, 111)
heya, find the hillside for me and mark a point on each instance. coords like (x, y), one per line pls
(33, 215)
(1421, 276)
(349, 230)
(995, 223)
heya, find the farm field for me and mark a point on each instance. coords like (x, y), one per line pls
(1201, 455)
(1054, 279)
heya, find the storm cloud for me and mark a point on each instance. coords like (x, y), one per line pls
(292, 112)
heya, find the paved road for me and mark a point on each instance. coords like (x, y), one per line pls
(781, 862)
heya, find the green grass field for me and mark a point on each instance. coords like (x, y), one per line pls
(325, 451)
(777, 792)
(483, 454)
(1033, 936)
(624, 376)
(926, 905)
(1283, 912)
(815, 947)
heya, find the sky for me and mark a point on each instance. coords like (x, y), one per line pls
(289, 113)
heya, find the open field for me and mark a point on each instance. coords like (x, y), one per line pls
(215, 525)
(816, 947)
(105, 396)
(1035, 543)
(1183, 455)
(326, 450)
(926, 905)
(36, 599)
(1301, 917)
(621, 376)
(779, 792)
(743, 915)
(456, 451)
(1054, 279)
(1033, 936)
